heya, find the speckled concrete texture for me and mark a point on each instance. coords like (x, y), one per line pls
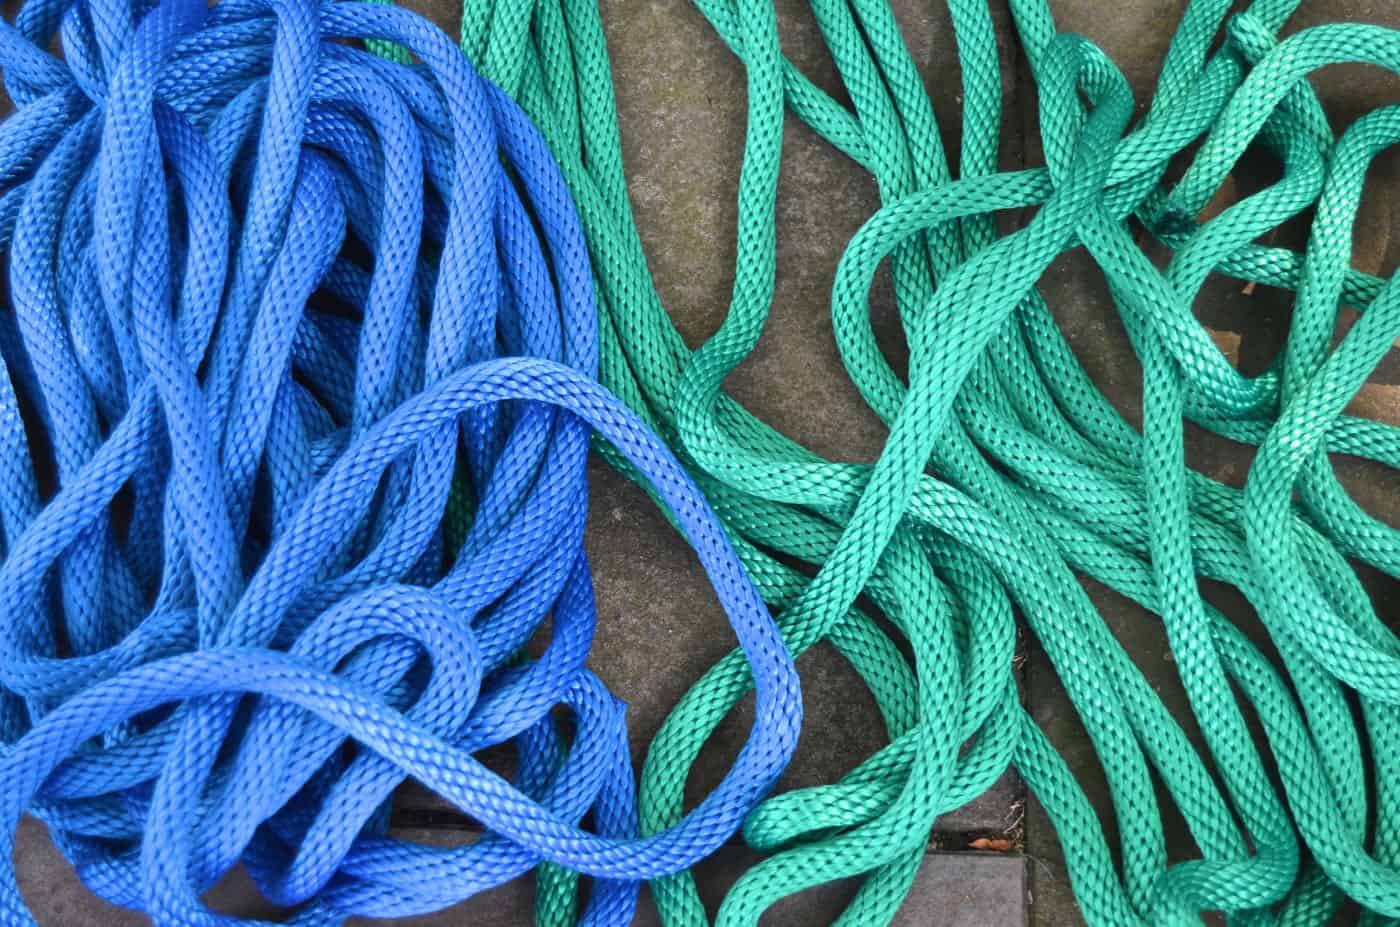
(681, 106)
(952, 890)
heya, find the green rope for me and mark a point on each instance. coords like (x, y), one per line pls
(1006, 473)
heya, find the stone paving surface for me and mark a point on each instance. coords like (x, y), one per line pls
(952, 890)
(681, 105)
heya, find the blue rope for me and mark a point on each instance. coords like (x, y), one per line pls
(270, 299)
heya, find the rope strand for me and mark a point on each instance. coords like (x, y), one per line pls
(1007, 474)
(275, 306)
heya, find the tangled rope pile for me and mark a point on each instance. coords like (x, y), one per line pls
(274, 305)
(1007, 473)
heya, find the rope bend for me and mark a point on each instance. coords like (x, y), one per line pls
(274, 307)
(1008, 474)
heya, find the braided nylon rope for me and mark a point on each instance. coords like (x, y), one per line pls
(270, 298)
(1006, 473)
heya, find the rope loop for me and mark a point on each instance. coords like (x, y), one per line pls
(1008, 475)
(1249, 36)
(277, 311)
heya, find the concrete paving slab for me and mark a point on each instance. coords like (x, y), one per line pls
(680, 100)
(681, 108)
(951, 890)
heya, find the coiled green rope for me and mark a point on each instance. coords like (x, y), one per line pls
(1006, 472)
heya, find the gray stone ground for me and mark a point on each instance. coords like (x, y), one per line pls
(681, 102)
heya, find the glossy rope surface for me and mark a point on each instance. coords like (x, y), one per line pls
(1007, 473)
(274, 306)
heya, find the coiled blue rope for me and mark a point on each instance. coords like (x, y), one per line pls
(270, 299)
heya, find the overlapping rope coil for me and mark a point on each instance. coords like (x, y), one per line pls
(1007, 473)
(274, 305)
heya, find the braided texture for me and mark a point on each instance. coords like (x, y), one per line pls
(275, 305)
(1007, 474)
